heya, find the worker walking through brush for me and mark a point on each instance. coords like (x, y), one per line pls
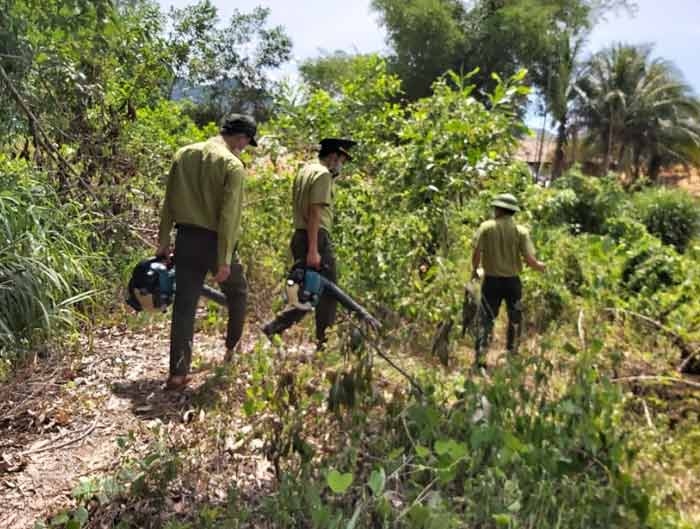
(500, 247)
(203, 199)
(312, 201)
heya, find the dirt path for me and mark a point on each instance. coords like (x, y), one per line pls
(60, 420)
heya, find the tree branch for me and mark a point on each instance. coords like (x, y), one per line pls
(43, 137)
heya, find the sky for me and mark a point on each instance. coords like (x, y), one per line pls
(673, 26)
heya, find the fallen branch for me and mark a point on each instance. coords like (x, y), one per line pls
(656, 378)
(687, 352)
(82, 436)
(687, 360)
(421, 496)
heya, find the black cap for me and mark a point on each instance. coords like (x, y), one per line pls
(340, 145)
(240, 124)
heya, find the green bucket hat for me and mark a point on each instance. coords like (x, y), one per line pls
(505, 201)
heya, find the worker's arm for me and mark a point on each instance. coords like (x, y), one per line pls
(476, 253)
(533, 263)
(528, 252)
(166, 217)
(229, 220)
(320, 196)
(476, 261)
(313, 258)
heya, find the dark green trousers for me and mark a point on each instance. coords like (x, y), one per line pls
(495, 290)
(325, 310)
(195, 255)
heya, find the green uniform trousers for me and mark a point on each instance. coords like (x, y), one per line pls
(495, 290)
(195, 255)
(325, 310)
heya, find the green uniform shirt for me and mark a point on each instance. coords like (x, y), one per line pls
(313, 185)
(503, 244)
(205, 189)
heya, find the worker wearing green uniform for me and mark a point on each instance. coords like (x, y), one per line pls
(312, 202)
(203, 199)
(501, 246)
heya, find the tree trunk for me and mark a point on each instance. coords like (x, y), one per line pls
(621, 155)
(540, 146)
(558, 167)
(608, 151)
(654, 168)
(637, 162)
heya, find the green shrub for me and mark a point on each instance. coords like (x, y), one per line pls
(46, 260)
(670, 214)
(516, 450)
(624, 228)
(583, 203)
(649, 270)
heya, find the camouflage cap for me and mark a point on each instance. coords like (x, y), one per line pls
(505, 201)
(240, 124)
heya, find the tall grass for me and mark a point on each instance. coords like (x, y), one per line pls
(46, 261)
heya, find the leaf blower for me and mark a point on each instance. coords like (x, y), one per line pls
(152, 286)
(305, 286)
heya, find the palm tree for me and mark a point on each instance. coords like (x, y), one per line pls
(638, 107)
(560, 92)
(663, 124)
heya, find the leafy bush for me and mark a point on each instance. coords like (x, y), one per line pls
(516, 450)
(670, 214)
(649, 270)
(583, 203)
(624, 228)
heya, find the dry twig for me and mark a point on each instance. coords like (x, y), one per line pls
(82, 436)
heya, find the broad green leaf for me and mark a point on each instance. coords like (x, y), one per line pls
(81, 515)
(502, 520)
(515, 506)
(442, 447)
(338, 482)
(377, 481)
(60, 519)
(422, 451)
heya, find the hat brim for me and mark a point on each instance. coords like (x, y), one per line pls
(504, 205)
(344, 151)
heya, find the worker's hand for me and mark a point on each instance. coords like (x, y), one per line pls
(223, 273)
(163, 252)
(313, 260)
(373, 323)
(541, 267)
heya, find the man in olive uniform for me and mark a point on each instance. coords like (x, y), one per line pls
(312, 200)
(203, 199)
(501, 246)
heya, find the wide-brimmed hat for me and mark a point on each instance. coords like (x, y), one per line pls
(240, 124)
(505, 201)
(341, 145)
